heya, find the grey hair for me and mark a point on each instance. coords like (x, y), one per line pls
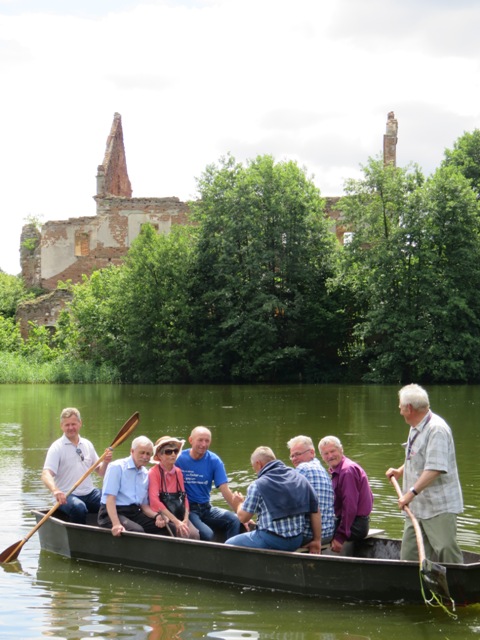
(70, 411)
(415, 395)
(330, 440)
(142, 441)
(265, 454)
(306, 441)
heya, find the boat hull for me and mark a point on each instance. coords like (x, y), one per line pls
(372, 571)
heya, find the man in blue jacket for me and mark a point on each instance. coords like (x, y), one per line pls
(282, 499)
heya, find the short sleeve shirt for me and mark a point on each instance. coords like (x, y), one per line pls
(127, 482)
(67, 465)
(199, 475)
(432, 448)
(286, 527)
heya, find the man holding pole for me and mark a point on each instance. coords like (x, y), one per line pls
(431, 486)
(68, 458)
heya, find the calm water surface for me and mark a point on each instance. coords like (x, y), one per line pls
(45, 596)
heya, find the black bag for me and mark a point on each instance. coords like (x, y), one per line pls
(175, 502)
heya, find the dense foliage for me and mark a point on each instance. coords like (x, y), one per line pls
(259, 290)
(264, 258)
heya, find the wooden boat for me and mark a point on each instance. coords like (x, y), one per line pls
(366, 571)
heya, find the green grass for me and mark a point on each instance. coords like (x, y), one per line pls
(17, 369)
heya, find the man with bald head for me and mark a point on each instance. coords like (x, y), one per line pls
(201, 468)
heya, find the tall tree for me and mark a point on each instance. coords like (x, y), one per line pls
(417, 314)
(136, 317)
(265, 255)
(155, 306)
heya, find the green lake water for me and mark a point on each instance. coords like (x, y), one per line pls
(45, 596)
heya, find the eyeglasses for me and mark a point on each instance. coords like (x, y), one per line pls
(168, 452)
(298, 454)
(79, 451)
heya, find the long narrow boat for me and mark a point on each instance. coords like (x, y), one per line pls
(368, 571)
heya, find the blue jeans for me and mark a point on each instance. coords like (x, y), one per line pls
(77, 507)
(208, 520)
(259, 539)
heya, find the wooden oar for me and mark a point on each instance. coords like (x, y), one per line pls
(13, 551)
(433, 574)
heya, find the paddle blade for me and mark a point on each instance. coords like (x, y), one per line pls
(12, 553)
(435, 578)
(129, 426)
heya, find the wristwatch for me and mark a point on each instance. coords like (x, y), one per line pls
(414, 491)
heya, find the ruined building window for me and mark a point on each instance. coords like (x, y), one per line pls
(82, 243)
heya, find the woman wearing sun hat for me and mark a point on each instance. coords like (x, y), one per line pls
(166, 490)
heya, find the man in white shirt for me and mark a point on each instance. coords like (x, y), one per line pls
(67, 460)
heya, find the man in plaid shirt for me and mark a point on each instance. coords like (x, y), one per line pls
(281, 498)
(431, 484)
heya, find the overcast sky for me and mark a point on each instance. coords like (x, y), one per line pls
(307, 80)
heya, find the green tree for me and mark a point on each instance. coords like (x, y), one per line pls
(465, 156)
(88, 328)
(415, 285)
(155, 336)
(10, 338)
(12, 291)
(264, 257)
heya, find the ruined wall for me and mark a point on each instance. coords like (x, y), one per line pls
(30, 241)
(42, 311)
(112, 176)
(72, 248)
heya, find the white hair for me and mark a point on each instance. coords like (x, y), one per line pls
(330, 440)
(415, 395)
(305, 441)
(142, 441)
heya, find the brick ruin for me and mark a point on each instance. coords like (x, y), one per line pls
(66, 250)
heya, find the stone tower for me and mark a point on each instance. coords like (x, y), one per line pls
(112, 175)
(390, 141)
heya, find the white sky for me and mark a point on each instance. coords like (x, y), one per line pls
(308, 80)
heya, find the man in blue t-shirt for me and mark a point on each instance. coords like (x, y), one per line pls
(201, 468)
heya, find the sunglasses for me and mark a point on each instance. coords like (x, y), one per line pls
(168, 452)
(79, 451)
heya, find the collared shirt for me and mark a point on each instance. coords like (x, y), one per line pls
(318, 477)
(67, 465)
(353, 496)
(432, 448)
(286, 527)
(126, 482)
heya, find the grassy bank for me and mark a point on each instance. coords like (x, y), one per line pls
(17, 369)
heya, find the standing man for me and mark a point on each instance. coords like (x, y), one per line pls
(201, 468)
(353, 498)
(281, 498)
(431, 484)
(125, 494)
(67, 460)
(302, 455)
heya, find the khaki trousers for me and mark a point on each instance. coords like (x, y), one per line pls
(439, 538)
